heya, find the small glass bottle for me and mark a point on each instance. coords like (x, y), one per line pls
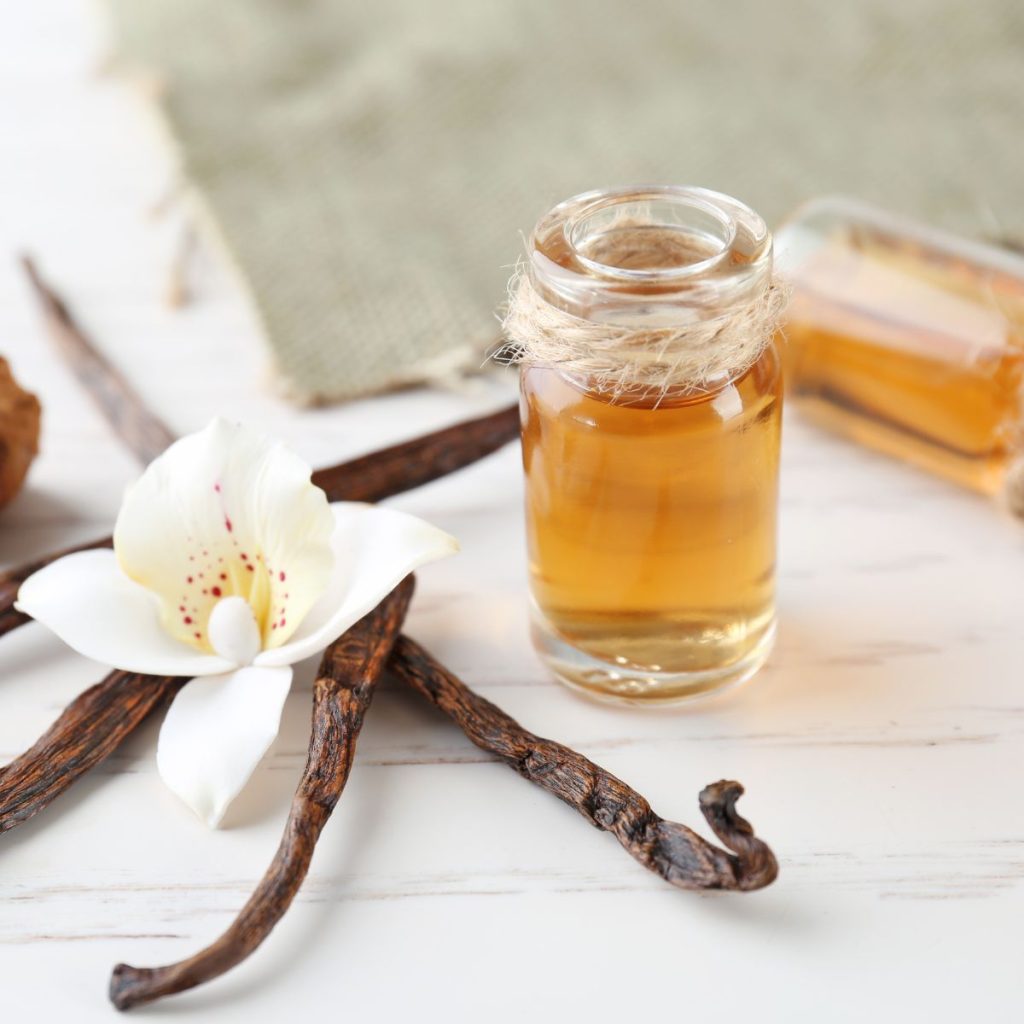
(906, 339)
(651, 509)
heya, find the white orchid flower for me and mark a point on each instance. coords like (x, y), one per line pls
(228, 567)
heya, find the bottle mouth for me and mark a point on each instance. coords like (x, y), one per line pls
(659, 234)
(650, 253)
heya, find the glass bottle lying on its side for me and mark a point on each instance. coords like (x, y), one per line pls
(908, 340)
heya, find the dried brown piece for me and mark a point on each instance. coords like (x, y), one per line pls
(419, 461)
(98, 720)
(120, 405)
(372, 477)
(343, 692)
(669, 849)
(344, 688)
(19, 433)
(89, 729)
(82, 737)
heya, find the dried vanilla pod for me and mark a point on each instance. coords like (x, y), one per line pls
(669, 849)
(342, 693)
(88, 730)
(81, 738)
(372, 477)
(118, 401)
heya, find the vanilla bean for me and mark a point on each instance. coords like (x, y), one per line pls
(669, 849)
(342, 693)
(121, 406)
(372, 477)
(49, 767)
(420, 460)
(90, 728)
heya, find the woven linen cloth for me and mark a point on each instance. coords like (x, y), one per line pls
(373, 167)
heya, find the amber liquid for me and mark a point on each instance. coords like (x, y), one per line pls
(915, 354)
(651, 529)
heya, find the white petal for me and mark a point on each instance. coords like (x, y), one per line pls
(374, 550)
(227, 512)
(90, 604)
(215, 733)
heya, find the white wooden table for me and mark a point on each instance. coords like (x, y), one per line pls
(881, 747)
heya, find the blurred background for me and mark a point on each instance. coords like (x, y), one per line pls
(366, 172)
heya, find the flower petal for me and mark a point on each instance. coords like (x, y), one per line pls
(374, 550)
(94, 608)
(215, 733)
(227, 512)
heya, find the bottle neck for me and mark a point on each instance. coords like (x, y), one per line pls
(649, 258)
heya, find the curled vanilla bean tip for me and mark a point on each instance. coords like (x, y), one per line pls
(344, 687)
(756, 865)
(667, 848)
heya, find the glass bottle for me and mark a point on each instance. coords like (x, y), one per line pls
(906, 339)
(651, 513)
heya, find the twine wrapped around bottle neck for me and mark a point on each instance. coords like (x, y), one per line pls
(622, 361)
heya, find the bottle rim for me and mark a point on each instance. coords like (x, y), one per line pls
(732, 249)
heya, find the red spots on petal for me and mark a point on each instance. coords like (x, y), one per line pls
(228, 525)
(281, 623)
(216, 487)
(223, 575)
(250, 568)
(216, 591)
(244, 557)
(281, 576)
(188, 620)
(198, 636)
(205, 591)
(274, 626)
(181, 607)
(188, 579)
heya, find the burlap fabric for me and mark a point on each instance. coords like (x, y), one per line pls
(371, 166)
